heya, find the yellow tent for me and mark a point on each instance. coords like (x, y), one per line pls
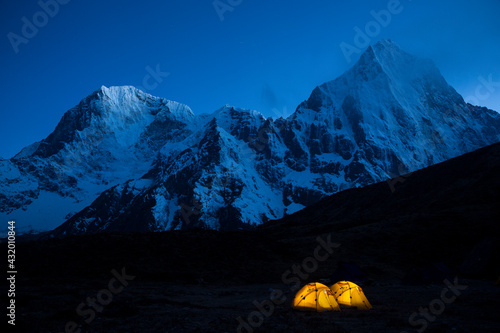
(315, 296)
(350, 294)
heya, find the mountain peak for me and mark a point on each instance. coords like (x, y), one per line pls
(388, 68)
(118, 93)
(387, 43)
(383, 48)
(392, 58)
(397, 62)
(387, 86)
(233, 109)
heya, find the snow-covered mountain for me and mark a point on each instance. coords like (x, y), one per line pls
(123, 160)
(110, 137)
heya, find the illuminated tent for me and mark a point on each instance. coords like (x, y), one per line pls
(315, 296)
(350, 294)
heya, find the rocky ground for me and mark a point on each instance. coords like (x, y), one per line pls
(165, 307)
(177, 287)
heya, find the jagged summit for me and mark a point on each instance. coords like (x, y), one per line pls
(387, 46)
(230, 109)
(119, 90)
(123, 96)
(234, 119)
(118, 113)
(386, 75)
(120, 94)
(386, 51)
(386, 58)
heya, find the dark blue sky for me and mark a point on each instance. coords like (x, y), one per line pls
(264, 55)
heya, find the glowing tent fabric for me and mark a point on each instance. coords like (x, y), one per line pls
(318, 297)
(315, 296)
(350, 294)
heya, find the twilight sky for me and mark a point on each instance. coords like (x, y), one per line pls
(257, 54)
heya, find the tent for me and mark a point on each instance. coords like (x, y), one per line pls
(498, 282)
(350, 294)
(348, 272)
(436, 272)
(317, 297)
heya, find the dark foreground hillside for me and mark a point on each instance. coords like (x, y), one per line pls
(203, 281)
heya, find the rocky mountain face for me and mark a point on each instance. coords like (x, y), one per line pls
(123, 160)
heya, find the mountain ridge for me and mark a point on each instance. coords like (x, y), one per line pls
(389, 114)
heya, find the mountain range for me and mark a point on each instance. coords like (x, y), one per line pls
(124, 160)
